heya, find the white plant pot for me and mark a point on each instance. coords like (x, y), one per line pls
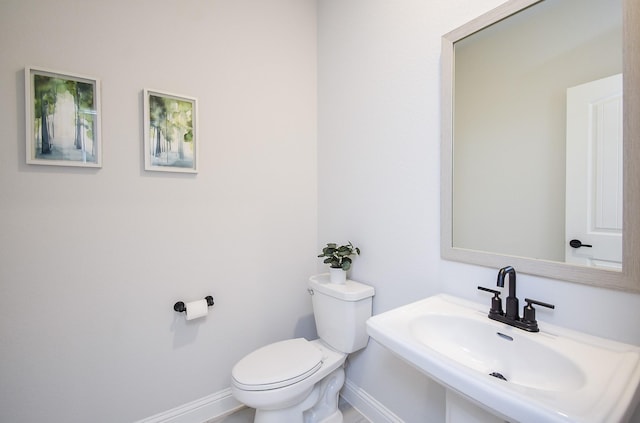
(338, 276)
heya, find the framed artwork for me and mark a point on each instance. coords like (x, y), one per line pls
(62, 118)
(170, 132)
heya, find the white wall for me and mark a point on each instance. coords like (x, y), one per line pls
(378, 148)
(92, 261)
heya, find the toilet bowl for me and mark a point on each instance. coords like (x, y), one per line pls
(298, 381)
(281, 380)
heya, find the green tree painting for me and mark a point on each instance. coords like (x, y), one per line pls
(64, 119)
(170, 133)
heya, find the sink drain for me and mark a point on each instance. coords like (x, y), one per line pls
(498, 375)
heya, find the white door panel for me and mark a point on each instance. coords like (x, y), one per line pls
(594, 172)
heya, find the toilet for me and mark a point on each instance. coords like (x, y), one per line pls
(298, 381)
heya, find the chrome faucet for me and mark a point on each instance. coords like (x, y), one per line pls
(528, 321)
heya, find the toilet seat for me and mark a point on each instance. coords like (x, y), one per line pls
(277, 365)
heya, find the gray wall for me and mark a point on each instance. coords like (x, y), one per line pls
(92, 261)
(91, 336)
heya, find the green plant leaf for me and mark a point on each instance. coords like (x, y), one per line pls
(327, 251)
(338, 256)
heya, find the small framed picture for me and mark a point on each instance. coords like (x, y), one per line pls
(62, 118)
(170, 132)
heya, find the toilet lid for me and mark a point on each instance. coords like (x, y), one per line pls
(276, 365)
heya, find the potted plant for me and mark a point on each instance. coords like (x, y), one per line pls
(339, 260)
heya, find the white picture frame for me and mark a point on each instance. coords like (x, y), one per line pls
(170, 132)
(63, 118)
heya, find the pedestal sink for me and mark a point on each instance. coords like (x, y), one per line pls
(555, 375)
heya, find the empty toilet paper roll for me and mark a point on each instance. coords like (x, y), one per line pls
(197, 309)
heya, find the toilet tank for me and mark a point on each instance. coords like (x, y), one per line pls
(341, 312)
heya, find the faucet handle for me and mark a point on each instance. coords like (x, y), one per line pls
(540, 303)
(496, 301)
(529, 313)
(493, 291)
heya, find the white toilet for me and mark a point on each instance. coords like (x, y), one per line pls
(298, 381)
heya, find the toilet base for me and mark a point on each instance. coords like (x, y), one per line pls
(320, 406)
(334, 418)
(277, 416)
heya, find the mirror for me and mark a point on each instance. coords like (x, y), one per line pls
(506, 80)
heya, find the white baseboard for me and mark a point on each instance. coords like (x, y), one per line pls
(367, 405)
(222, 403)
(211, 407)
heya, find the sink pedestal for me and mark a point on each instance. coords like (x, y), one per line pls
(461, 410)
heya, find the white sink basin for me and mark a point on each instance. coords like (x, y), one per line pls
(555, 375)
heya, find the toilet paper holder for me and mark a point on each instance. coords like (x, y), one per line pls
(180, 307)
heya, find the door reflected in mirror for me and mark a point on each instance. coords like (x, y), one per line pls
(593, 213)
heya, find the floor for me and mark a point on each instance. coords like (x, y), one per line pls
(350, 414)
